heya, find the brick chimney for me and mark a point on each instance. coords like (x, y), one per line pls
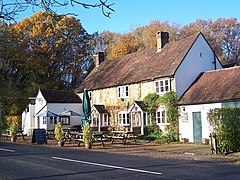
(162, 39)
(99, 58)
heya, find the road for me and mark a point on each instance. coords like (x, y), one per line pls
(18, 161)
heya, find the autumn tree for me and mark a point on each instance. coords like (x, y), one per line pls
(11, 77)
(56, 51)
(115, 44)
(126, 44)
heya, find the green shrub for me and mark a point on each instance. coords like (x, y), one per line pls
(59, 133)
(87, 134)
(225, 123)
(13, 130)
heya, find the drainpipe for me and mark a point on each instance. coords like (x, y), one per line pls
(214, 60)
(171, 79)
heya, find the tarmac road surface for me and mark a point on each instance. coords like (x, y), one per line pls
(18, 161)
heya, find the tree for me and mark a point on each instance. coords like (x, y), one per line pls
(222, 34)
(125, 45)
(11, 76)
(57, 56)
(11, 8)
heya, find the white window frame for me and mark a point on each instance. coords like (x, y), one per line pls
(124, 118)
(162, 86)
(123, 91)
(95, 121)
(90, 95)
(45, 120)
(104, 119)
(161, 117)
(65, 120)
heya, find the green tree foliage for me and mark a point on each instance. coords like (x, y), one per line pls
(225, 123)
(12, 78)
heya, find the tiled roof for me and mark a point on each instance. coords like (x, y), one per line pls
(214, 86)
(100, 108)
(54, 96)
(139, 66)
(141, 105)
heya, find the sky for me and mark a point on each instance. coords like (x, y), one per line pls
(129, 14)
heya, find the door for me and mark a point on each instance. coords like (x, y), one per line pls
(197, 127)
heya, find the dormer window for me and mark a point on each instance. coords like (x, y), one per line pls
(123, 91)
(162, 86)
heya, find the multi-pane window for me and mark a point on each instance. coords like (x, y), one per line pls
(162, 86)
(44, 120)
(95, 121)
(123, 91)
(104, 120)
(65, 120)
(161, 117)
(53, 120)
(123, 118)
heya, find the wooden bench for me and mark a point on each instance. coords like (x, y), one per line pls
(97, 137)
(19, 134)
(123, 135)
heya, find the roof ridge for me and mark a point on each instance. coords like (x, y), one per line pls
(223, 69)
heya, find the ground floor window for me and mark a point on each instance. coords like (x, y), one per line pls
(104, 120)
(65, 120)
(161, 117)
(53, 120)
(123, 118)
(44, 120)
(95, 121)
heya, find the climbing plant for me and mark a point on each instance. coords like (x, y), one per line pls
(151, 102)
(169, 100)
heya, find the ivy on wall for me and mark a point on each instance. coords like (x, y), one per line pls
(152, 101)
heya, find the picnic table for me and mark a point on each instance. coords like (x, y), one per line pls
(78, 137)
(123, 135)
(19, 134)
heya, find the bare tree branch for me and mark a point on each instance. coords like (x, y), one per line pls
(10, 9)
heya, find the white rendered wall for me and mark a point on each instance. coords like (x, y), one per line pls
(28, 121)
(200, 58)
(186, 127)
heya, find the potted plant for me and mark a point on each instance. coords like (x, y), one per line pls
(13, 132)
(59, 134)
(87, 136)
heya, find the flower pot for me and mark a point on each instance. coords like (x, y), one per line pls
(88, 145)
(184, 140)
(205, 141)
(60, 143)
(13, 139)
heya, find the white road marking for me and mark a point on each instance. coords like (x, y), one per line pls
(106, 165)
(8, 150)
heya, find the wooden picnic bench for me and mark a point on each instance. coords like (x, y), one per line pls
(97, 137)
(123, 135)
(19, 134)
